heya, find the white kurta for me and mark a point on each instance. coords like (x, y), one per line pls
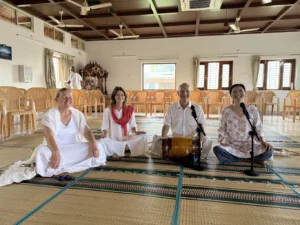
(183, 124)
(138, 144)
(75, 79)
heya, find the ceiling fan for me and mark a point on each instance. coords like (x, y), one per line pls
(235, 28)
(61, 23)
(85, 6)
(121, 36)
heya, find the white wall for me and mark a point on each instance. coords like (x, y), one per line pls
(31, 53)
(126, 71)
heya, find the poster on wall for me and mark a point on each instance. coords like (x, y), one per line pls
(5, 52)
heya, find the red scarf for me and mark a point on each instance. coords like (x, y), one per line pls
(126, 116)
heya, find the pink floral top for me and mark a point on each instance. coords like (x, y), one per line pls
(235, 130)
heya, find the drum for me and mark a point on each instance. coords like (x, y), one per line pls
(179, 147)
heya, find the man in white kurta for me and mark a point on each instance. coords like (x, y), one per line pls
(180, 121)
(138, 144)
(75, 79)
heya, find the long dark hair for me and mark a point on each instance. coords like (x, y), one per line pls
(237, 85)
(113, 95)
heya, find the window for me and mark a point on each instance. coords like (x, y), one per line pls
(215, 75)
(58, 35)
(81, 45)
(158, 76)
(48, 31)
(74, 42)
(56, 62)
(15, 16)
(276, 74)
(7, 13)
(24, 20)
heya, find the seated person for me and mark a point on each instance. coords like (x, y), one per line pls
(69, 144)
(179, 118)
(119, 124)
(235, 141)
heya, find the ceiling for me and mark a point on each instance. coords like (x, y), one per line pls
(164, 18)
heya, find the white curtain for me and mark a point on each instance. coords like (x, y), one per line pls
(49, 69)
(196, 62)
(66, 61)
(255, 70)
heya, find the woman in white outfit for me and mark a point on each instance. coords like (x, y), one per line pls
(119, 124)
(69, 144)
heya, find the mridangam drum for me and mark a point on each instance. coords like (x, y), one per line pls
(179, 147)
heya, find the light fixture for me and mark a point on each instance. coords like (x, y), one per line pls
(24, 5)
(266, 1)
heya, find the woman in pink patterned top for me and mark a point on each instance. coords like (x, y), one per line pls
(235, 141)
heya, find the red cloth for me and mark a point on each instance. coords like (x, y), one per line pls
(126, 116)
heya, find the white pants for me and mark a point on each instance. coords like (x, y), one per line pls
(138, 145)
(73, 157)
(156, 146)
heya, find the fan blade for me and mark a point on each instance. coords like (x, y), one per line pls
(248, 30)
(233, 26)
(54, 19)
(115, 33)
(71, 25)
(74, 3)
(132, 36)
(99, 6)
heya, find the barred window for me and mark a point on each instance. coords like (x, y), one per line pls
(81, 45)
(74, 42)
(276, 74)
(7, 13)
(215, 75)
(24, 20)
(48, 31)
(58, 35)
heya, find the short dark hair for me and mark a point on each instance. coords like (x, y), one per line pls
(236, 85)
(113, 95)
(60, 91)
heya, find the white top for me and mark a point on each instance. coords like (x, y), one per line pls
(67, 133)
(75, 79)
(113, 129)
(181, 121)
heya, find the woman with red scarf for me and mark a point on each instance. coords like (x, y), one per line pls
(119, 124)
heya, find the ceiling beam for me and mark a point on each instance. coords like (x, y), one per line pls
(174, 24)
(153, 8)
(281, 15)
(242, 11)
(197, 23)
(240, 14)
(121, 21)
(36, 2)
(67, 10)
(172, 10)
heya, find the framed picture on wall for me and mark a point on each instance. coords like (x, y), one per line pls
(5, 52)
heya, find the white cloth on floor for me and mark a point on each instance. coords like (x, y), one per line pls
(16, 173)
(138, 144)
